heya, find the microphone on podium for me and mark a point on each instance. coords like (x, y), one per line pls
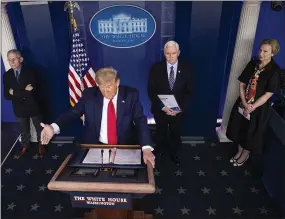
(102, 152)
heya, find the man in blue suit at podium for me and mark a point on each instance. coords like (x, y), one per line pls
(112, 115)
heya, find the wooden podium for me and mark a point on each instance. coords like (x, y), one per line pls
(61, 181)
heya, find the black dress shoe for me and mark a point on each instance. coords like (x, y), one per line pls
(23, 150)
(42, 150)
(176, 160)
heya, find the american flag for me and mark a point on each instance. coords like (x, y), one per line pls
(81, 74)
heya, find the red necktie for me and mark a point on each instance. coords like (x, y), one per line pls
(111, 124)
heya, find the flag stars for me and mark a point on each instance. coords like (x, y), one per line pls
(11, 206)
(42, 188)
(201, 173)
(236, 210)
(9, 170)
(28, 171)
(196, 157)
(218, 158)
(58, 208)
(229, 190)
(54, 157)
(254, 190)
(16, 157)
(181, 190)
(224, 173)
(49, 171)
(246, 173)
(156, 172)
(20, 187)
(35, 157)
(159, 210)
(178, 173)
(34, 207)
(158, 190)
(185, 211)
(263, 210)
(211, 210)
(205, 190)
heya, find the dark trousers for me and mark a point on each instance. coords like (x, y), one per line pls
(168, 132)
(25, 128)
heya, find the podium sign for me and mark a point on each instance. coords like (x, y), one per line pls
(100, 200)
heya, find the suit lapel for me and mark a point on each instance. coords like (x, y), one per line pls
(120, 109)
(98, 106)
(22, 75)
(165, 75)
(178, 75)
(13, 77)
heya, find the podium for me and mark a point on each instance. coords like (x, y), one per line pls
(108, 196)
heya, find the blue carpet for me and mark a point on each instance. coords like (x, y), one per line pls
(9, 133)
(206, 185)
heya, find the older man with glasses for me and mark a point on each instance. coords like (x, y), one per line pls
(19, 86)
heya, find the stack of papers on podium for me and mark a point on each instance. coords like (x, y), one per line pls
(113, 156)
(169, 101)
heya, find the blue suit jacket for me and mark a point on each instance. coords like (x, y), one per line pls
(132, 125)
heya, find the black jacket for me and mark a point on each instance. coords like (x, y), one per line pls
(24, 102)
(131, 121)
(158, 84)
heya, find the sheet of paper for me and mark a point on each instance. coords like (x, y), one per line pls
(169, 101)
(128, 156)
(94, 156)
(240, 110)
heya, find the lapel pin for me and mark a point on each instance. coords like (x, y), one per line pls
(123, 101)
(178, 71)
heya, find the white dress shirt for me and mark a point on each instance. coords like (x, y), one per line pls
(168, 72)
(103, 131)
(175, 65)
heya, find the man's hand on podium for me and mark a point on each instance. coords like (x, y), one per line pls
(47, 133)
(148, 156)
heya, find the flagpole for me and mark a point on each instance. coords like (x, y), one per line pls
(70, 6)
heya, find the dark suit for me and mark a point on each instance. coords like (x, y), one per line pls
(23, 101)
(158, 84)
(130, 115)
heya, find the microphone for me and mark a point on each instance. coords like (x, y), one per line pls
(109, 155)
(102, 152)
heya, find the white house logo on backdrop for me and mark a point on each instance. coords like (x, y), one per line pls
(122, 26)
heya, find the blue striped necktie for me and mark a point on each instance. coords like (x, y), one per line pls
(171, 77)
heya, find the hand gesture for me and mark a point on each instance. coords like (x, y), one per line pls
(148, 156)
(46, 134)
(11, 91)
(29, 87)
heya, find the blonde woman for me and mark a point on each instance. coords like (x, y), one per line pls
(249, 116)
